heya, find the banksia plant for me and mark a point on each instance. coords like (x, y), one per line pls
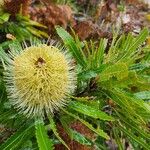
(38, 79)
(111, 98)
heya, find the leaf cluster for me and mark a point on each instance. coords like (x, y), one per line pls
(112, 98)
(21, 27)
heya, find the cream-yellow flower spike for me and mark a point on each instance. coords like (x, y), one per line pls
(38, 79)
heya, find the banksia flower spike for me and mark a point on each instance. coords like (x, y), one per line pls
(38, 78)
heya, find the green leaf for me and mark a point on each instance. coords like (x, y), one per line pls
(74, 135)
(118, 139)
(87, 75)
(145, 95)
(37, 32)
(119, 70)
(5, 116)
(66, 121)
(80, 138)
(139, 40)
(44, 143)
(89, 111)
(26, 20)
(4, 17)
(132, 124)
(132, 44)
(101, 50)
(97, 131)
(72, 46)
(140, 66)
(20, 136)
(54, 129)
(6, 44)
(135, 138)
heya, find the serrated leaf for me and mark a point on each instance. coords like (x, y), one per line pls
(89, 111)
(54, 129)
(74, 135)
(5, 116)
(71, 45)
(118, 139)
(6, 44)
(145, 95)
(80, 138)
(135, 138)
(139, 40)
(87, 75)
(101, 50)
(66, 121)
(34, 23)
(131, 124)
(140, 66)
(131, 49)
(44, 143)
(27, 21)
(119, 70)
(37, 32)
(4, 17)
(97, 131)
(15, 140)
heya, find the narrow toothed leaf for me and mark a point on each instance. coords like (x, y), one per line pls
(90, 111)
(98, 131)
(18, 138)
(44, 142)
(54, 129)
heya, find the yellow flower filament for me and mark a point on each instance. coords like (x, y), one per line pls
(42, 77)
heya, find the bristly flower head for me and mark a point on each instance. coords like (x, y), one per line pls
(38, 78)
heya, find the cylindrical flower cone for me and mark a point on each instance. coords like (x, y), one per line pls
(38, 79)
